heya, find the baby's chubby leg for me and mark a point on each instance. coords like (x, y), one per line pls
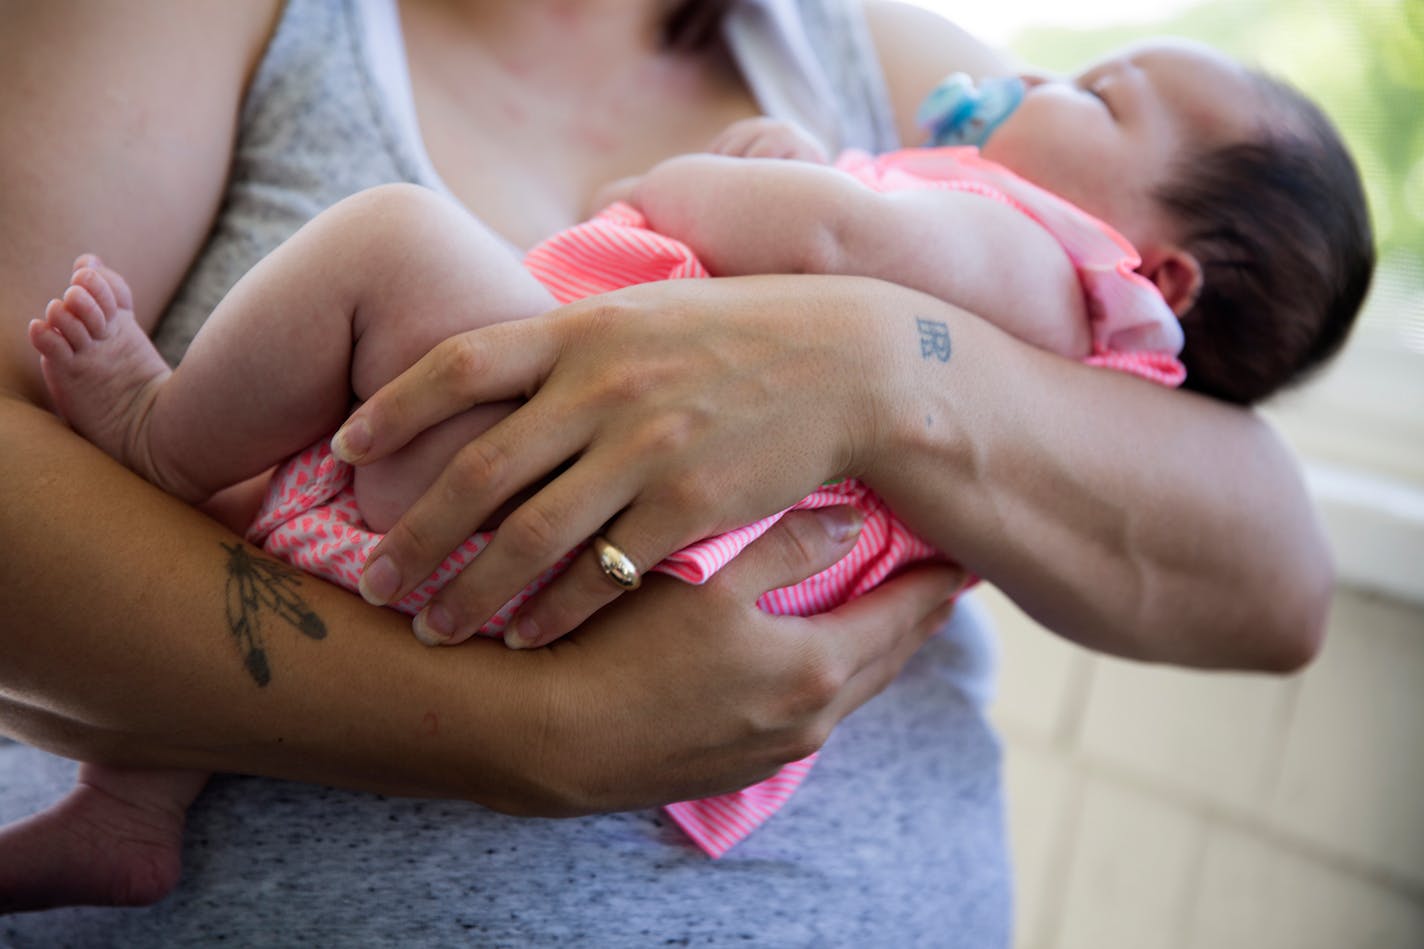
(447, 275)
(348, 302)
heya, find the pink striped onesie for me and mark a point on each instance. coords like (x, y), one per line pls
(310, 519)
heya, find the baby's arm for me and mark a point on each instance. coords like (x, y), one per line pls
(750, 216)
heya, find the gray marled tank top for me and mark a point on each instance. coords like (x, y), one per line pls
(897, 837)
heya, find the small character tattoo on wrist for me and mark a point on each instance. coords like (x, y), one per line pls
(257, 586)
(934, 339)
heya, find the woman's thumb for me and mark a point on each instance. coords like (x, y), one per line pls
(799, 545)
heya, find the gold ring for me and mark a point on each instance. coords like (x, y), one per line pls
(616, 564)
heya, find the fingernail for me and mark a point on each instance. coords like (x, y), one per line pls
(433, 625)
(352, 440)
(841, 522)
(521, 634)
(379, 581)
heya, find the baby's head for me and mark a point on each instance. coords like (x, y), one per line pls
(1235, 189)
(1278, 225)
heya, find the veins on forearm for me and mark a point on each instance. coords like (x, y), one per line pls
(257, 588)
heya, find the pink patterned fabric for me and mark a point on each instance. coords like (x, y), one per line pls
(310, 518)
(613, 250)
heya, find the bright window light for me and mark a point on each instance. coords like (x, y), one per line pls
(997, 22)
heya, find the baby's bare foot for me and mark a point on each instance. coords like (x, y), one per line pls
(116, 840)
(99, 364)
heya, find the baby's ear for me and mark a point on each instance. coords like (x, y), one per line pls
(1177, 275)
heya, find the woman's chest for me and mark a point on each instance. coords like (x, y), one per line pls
(527, 157)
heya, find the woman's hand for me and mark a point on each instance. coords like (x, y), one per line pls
(682, 692)
(660, 414)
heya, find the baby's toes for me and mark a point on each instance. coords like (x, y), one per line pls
(80, 318)
(120, 286)
(99, 288)
(45, 336)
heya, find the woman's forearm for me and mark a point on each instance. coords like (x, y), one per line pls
(131, 620)
(131, 623)
(1132, 519)
(1136, 520)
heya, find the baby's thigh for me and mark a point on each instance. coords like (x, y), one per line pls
(432, 271)
(387, 488)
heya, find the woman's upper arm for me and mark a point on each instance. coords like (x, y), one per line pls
(917, 49)
(118, 122)
(1141, 521)
(1180, 532)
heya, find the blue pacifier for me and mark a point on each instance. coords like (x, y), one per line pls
(959, 112)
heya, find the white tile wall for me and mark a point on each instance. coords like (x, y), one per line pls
(1044, 696)
(1208, 735)
(1256, 893)
(1353, 775)
(1131, 874)
(1043, 799)
(1154, 807)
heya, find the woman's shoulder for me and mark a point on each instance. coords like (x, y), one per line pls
(214, 32)
(166, 42)
(153, 87)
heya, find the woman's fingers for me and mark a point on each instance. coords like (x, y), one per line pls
(530, 541)
(853, 652)
(678, 414)
(884, 628)
(597, 495)
(493, 364)
(583, 589)
(473, 485)
(800, 545)
(646, 534)
(585, 586)
(709, 693)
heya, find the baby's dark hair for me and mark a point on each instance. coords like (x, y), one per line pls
(1281, 230)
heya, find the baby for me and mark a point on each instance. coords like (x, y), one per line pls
(1164, 203)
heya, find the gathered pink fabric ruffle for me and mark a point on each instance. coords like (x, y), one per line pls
(310, 518)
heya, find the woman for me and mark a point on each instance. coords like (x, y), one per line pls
(122, 126)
